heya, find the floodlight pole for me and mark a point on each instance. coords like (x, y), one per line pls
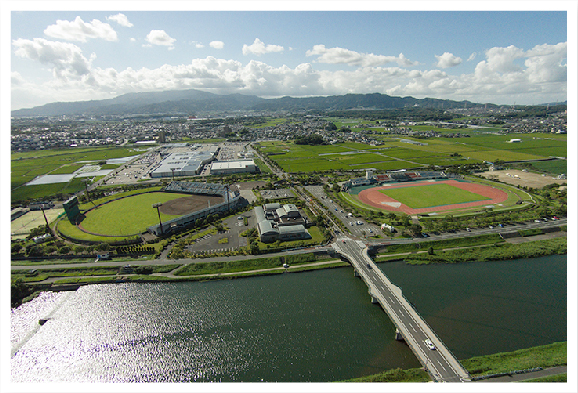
(227, 188)
(45, 219)
(157, 205)
(86, 186)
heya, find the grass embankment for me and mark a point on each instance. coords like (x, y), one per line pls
(482, 240)
(498, 252)
(541, 356)
(87, 274)
(201, 268)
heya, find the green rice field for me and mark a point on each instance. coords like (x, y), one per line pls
(394, 154)
(432, 195)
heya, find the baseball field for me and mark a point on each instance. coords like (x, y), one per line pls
(132, 215)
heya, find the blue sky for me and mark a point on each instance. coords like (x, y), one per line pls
(482, 56)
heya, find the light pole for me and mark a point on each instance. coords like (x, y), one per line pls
(157, 205)
(85, 181)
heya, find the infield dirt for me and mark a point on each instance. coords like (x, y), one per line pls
(180, 206)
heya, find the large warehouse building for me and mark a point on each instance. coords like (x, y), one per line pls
(228, 167)
(184, 163)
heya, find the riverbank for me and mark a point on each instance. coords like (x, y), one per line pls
(497, 252)
(484, 368)
(484, 248)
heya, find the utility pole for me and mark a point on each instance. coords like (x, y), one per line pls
(157, 205)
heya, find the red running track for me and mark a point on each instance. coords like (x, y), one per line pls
(374, 198)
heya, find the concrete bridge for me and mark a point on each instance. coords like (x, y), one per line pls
(435, 357)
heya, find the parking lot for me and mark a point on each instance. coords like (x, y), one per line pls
(277, 194)
(236, 226)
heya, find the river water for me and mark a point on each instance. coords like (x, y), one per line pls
(315, 326)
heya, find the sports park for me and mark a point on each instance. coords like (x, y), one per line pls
(426, 193)
(431, 196)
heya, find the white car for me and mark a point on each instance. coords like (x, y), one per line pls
(429, 344)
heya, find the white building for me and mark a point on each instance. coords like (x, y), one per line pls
(227, 167)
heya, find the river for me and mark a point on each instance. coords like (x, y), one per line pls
(314, 326)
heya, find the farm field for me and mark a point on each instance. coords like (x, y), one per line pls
(432, 195)
(129, 215)
(346, 156)
(394, 154)
(43, 190)
(26, 166)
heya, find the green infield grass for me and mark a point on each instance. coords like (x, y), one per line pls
(128, 216)
(432, 195)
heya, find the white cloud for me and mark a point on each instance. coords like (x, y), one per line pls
(198, 45)
(346, 56)
(78, 30)
(67, 59)
(502, 59)
(472, 56)
(259, 48)
(160, 37)
(217, 44)
(503, 74)
(448, 60)
(121, 19)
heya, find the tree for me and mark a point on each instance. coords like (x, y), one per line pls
(415, 229)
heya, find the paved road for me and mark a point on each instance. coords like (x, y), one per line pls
(440, 363)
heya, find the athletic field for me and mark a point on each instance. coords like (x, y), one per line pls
(430, 196)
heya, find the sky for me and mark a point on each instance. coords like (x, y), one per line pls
(501, 57)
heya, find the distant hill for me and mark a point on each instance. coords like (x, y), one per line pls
(195, 101)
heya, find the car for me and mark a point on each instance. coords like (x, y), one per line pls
(491, 227)
(240, 218)
(537, 221)
(468, 229)
(369, 266)
(429, 344)
(501, 225)
(425, 235)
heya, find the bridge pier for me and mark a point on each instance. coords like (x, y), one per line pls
(373, 298)
(398, 335)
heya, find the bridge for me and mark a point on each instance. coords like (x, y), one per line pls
(435, 357)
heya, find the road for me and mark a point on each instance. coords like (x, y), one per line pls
(439, 362)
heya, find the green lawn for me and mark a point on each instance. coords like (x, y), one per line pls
(128, 215)
(432, 195)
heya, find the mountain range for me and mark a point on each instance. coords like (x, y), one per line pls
(195, 101)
